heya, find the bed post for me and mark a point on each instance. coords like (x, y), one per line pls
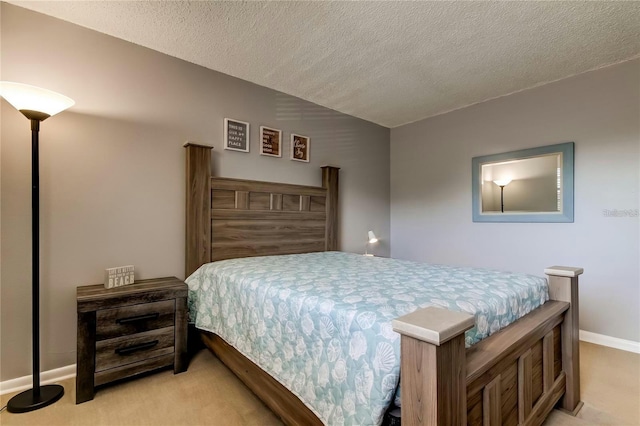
(330, 183)
(433, 366)
(198, 207)
(563, 286)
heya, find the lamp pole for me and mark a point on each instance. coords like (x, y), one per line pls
(38, 396)
(35, 241)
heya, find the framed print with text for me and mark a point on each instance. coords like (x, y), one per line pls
(270, 142)
(236, 135)
(300, 147)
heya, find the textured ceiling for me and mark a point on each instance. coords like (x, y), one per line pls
(387, 62)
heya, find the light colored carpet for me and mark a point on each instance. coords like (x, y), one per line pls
(209, 394)
(206, 394)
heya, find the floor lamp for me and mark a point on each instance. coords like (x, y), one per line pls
(37, 105)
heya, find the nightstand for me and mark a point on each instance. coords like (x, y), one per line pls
(129, 330)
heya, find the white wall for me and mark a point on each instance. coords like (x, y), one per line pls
(112, 168)
(431, 189)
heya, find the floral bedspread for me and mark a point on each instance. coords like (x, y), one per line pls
(320, 323)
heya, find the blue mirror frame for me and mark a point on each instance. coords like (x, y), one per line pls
(566, 215)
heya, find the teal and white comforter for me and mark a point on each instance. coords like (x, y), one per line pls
(320, 323)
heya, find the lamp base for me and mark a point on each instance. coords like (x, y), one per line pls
(26, 401)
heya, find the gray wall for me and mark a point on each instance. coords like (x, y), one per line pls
(431, 189)
(112, 168)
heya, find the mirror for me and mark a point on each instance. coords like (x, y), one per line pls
(530, 185)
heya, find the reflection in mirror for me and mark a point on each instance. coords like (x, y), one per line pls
(527, 185)
(530, 185)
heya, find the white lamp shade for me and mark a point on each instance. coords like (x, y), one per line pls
(31, 98)
(502, 182)
(372, 237)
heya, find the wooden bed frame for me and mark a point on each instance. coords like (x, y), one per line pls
(513, 377)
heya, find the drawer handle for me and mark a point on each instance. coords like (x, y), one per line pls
(137, 318)
(134, 348)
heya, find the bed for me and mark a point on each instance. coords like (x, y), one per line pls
(514, 376)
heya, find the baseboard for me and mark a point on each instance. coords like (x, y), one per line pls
(62, 373)
(612, 342)
(46, 377)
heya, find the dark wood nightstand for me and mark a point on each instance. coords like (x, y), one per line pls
(129, 330)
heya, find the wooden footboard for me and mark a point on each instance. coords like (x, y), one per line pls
(517, 378)
(514, 377)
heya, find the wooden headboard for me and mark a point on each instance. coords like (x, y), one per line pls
(230, 218)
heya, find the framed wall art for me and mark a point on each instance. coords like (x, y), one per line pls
(236, 135)
(300, 147)
(270, 142)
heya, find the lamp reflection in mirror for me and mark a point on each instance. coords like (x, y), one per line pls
(502, 183)
(371, 239)
(37, 105)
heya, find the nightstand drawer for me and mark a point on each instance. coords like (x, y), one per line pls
(133, 319)
(124, 350)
